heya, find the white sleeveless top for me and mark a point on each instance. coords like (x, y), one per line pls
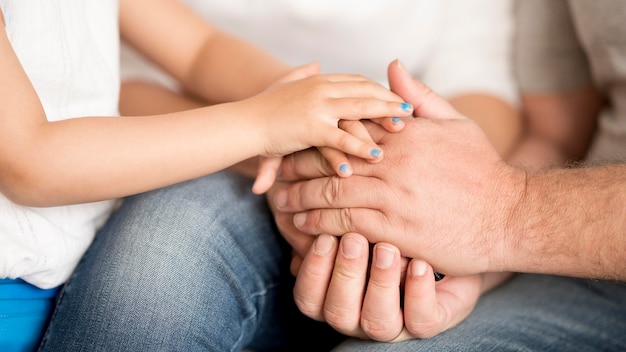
(455, 46)
(70, 52)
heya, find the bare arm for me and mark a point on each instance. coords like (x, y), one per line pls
(207, 62)
(500, 121)
(93, 158)
(559, 126)
(571, 222)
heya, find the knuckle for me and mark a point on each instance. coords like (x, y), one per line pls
(361, 105)
(422, 330)
(308, 307)
(331, 190)
(343, 141)
(345, 218)
(339, 317)
(381, 285)
(344, 274)
(378, 329)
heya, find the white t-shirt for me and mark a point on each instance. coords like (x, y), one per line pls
(455, 46)
(70, 52)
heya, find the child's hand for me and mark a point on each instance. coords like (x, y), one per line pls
(327, 108)
(268, 166)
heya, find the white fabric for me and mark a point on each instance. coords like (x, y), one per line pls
(70, 52)
(455, 46)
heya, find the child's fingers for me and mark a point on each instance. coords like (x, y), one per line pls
(391, 124)
(355, 128)
(347, 143)
(369, 108)
(268, 170)
(356, 88)
(338, 160)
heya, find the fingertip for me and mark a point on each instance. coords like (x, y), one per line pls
(397, 123)
(260, 186)
(344, 169)
(376, 153)
(417, 268)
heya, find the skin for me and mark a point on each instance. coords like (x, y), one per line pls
(485, 109)
(327, 282)
(125, 145)
(508, 219)
(448, 302)
(331, 286)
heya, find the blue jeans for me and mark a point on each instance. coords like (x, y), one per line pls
(531, 313)
(199, 266)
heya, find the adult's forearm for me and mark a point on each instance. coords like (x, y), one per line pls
(500, 120)
(571, 222)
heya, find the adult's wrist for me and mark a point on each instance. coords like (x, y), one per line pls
(508, 253)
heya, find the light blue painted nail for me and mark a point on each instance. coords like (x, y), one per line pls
(396, 120)
(344, 168)
(406, 107)
(375, 153)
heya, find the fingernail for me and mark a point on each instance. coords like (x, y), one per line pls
(418, 268)
(299, 220)
(396, 120)
(324, 244)
(351, 247)
(281, 199)
(406, 107)
(344, 168)
(384, 257)
(375, 153)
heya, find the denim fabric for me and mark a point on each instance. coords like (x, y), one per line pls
(198, 266)
(532, 313)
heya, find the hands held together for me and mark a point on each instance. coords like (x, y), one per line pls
(433, 198)
(307, 109)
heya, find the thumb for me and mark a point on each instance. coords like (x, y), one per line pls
(266, 175)
(426, 103)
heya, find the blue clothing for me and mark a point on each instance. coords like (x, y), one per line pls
(24, 312)
(198, 266)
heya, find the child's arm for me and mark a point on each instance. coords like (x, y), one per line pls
(93, 158)
(224, 68)
(207, 62)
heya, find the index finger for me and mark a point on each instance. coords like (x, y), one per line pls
(310, 163)
(332, 192)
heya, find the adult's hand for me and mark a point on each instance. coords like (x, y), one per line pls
(441, 194)
(305, 165)
(334, 285)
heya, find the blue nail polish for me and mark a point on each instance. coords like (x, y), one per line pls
(406, 107)
(375, 153)
(396, 120)
(344, 168)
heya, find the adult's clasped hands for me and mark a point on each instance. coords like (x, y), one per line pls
(441, 196)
